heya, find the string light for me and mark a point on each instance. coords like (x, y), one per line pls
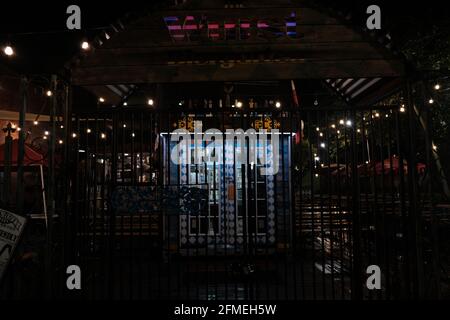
(317, 129)
(49, 93)
(60, 142)
(88, 130)
(431, 101)
(341, 121)
(47, 133)
(85, 45)
(150, 102)
(322, 145)
(8, 50)
(278, 105)
(101, 100)
(74, 135)
(44, 137)
(402, 108)
(239, 104)
(333, 126)
(437, 86)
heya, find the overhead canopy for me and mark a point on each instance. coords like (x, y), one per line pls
(203, 41)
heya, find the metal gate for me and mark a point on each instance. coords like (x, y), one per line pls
(351, 191)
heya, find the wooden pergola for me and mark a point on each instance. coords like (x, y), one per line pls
(211, 41)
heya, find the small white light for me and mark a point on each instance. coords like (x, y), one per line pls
(321, 134)
(239, 104)
(358, 130)
(435, 147)
(101, 100)
(44, 137)
(338, 132)
(317, 175)
(125, 104)
(341, 121)
(349, 123)
(35, 123)
(85, 45)
(431, 101)
(316, 158)
(150, 102)
(8, 50)
(133, 135)
(49, 93)
(46, 133)
(88, 130)
(278, 105)
(377, 115)
(62, 127)
(103, 136)
(437, 86)
(60, 142)
(402, 108)
(124, 125)
(74, 135)
(333, 126)
(317, 129)
(18, 129)
(322, 145)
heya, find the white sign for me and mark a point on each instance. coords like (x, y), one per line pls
(11, 228)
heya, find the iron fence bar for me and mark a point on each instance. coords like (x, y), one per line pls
(415, 213)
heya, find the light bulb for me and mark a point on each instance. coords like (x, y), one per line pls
(85, 45)
(8, 50)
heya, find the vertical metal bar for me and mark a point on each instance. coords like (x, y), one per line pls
(415, 212)
(21, 147)
(50, 193)
(356, 220)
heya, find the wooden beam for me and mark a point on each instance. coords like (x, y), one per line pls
(300, 69)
